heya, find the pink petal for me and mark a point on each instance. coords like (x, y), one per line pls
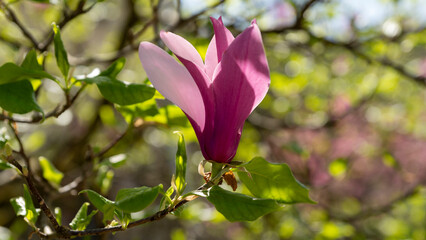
(219, 43)
(182, 48)
(190, 58)
(241, 81)
(173, 81)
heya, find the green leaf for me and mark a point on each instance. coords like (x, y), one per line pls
(124, 218)
(60, 53)
(274, 181)
(121, 93)
(18, 97)
(145, 109)
(104, 205)
(32, 213)
(81, 219)
(166, 199)
(180, 165)
(24, 206)
(50, 173)
(18, 205)
(240, 207)
(30, 62)
(136, 199)
(115, 68)
(10, 72)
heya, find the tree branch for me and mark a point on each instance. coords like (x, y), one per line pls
(10, 14)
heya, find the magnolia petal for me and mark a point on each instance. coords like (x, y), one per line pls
(241, 81)
(182, 48)
(219, 43)
(204, 86)
(173, 81)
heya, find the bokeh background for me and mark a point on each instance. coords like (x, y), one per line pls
(346, 110)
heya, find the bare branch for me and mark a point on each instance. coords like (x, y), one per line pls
(10, 14)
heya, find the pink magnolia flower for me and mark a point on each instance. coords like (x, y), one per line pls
(217, 96)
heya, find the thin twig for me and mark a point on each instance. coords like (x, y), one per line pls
(10, 14)
(67, 18)
(111, 144)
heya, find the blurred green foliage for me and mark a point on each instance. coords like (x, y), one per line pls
(344, 111)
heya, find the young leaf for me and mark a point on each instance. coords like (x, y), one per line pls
(121, 93)
(274, 181)
(124, 218)
(10, 72)
(104, 205)
(180, 165)
(18, 97)
(136, 199)
(50, 173)
(166, 199)
(30, 62)
(240, 207)
(81, 219)
(60, 53)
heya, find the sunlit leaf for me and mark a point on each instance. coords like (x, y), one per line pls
(240, 207)
(50, 173)
(273, 181)
(60, 52)
(121, 93)
(81, 219)
(18, 205)
(115, 68)
(24, 206)
(180, 165)
(103, 204)
(136, 199)
(10, 72)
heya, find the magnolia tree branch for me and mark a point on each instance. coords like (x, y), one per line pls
(353, 47)
(370, 212)
(155, 217)
(10, 14)
(29, 178)
(131, 47)
(67, 18)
